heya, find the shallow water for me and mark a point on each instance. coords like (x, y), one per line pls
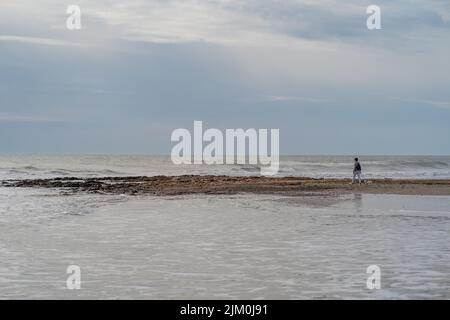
(215, 247)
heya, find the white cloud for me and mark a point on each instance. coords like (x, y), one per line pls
(40, 41)
(433, 103)
(438, 104)
(228, 22)
(182, 21)
(7, 117)
(251, 21)
(275, 43)
(294, 98)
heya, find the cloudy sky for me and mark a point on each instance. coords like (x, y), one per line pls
(138, 69)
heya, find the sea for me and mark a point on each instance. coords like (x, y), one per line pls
(241, 246)
(394, 167)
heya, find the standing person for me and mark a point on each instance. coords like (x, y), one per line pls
(357, 171)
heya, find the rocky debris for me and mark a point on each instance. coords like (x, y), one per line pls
(189, 184)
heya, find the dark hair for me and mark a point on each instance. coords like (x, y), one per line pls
(356, 159)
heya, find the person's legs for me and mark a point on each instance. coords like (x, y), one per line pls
(355, 175)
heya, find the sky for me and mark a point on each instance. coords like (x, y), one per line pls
(139, 69)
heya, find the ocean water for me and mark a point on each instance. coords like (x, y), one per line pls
(408, 167)
(222, 247)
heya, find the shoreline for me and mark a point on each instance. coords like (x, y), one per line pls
(208, 184)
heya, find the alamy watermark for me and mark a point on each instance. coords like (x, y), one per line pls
(73, 22)
(240, 146)
(374, 279)
(73, 281)
(374, 20)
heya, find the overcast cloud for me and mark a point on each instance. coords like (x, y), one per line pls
(139, 69)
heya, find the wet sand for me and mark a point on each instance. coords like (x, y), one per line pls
(245, 246)
(192, 184)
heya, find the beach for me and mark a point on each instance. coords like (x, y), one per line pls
(142, 228)
(191, 184)
(197, 150)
